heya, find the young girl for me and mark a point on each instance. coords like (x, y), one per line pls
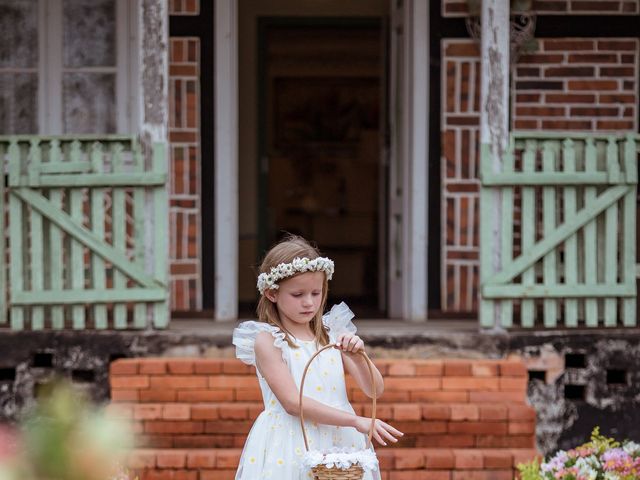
(293, 285)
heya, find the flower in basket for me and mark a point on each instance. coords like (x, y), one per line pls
(601, 458)
(341, 458)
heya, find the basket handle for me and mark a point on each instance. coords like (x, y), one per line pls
(304, 374)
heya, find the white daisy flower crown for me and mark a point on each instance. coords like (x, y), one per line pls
(269, 281)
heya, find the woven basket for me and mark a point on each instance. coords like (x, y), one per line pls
(322, 472)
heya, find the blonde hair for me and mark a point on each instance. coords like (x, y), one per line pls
(284, 252)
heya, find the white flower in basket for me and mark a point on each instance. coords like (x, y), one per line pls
(341, 458)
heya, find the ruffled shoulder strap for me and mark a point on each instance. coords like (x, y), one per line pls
(338, 319)
(244, 338)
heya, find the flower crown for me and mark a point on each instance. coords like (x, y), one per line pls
(298, 265)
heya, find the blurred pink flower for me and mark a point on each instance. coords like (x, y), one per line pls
(9, 442)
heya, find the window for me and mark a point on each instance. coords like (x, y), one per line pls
(18, 66)
(67, 66)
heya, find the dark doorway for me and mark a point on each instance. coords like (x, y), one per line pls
(321, 92)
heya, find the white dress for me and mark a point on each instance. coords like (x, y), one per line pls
(275, 446)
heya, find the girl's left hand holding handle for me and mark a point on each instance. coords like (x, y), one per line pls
(350, 344)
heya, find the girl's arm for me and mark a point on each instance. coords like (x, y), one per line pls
(274, 370)
(356, 365)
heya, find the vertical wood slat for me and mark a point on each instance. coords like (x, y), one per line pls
(527, 310)
(36, 254)
(571, 244)
(160, 251)
(590, 267)
(140, 309)
(550, 278)
(487, 306)
(56, 271)
(506, 311)
(3, 242)
(611, 237)
(628, 254)
(119, 232)
(98, 272)
(15, 236)
(76, 251)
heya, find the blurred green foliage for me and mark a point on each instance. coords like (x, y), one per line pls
(66, 437)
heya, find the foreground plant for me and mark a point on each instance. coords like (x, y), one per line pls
(65, 437)
(601, 458)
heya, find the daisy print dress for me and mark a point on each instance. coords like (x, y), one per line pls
(275, 446)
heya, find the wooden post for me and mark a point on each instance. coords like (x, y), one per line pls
(408, 173)
(152, 70)
(494, 139)
(3, 240)
(226, 161)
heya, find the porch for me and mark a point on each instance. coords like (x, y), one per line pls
(86, 247)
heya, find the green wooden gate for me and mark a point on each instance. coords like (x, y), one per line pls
(87, 236)
(567, 247)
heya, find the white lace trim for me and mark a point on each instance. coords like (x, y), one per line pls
(338, 319)
(341, 458)
(244, 338)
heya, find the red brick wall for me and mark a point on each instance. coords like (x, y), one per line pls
(184, 190)
(187, 403)
(184, 7)
(458, 8)
(460, 128)
(461, 418)
(578, 84)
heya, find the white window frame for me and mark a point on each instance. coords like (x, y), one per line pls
(50, 66)
(226, 160)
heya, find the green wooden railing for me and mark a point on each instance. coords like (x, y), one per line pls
(86, 225)
(567, 245)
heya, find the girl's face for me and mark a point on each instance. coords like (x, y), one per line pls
(298, 298)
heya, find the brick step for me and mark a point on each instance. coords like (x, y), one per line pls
(224, 425)
(391, 411)
(395, 463)
(226, 380)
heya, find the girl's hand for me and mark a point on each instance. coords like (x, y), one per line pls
(382, 431)
(350, 344)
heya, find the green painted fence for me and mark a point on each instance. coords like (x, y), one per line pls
(86, 241)
(567, 246)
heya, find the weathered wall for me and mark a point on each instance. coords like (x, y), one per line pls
(577, 380)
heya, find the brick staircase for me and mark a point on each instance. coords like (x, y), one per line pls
(462, 419)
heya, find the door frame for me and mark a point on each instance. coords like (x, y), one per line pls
(225, 175)
(409, 158)
(412, 295)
